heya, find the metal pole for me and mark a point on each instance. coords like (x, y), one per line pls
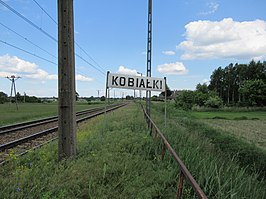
(149, 48)
(106, 90)
(165, 100)
(13, 80)
(66, 81)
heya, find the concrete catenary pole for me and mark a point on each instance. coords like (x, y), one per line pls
(66, 81)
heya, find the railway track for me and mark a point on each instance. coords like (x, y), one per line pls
(19, 138)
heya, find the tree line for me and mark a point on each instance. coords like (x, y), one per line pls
(20, 98)
(241, 84)
(234, 85)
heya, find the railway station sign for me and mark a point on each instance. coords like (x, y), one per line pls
(135, 82)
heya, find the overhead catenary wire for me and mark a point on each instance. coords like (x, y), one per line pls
(89, 56)
(28, 21)
(44, 32)
(33, 54)
(75, 41)
(27, 40)
(45, 12)
(103, 73)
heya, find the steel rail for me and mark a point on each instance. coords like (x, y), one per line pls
(51, 130)
(23, 125)
(184, 171)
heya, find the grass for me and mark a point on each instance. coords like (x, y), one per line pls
(247, 126)
(119, 163)
(252, 115)
(224, 166)
(29, 111)
(123, 161)
(250, 131)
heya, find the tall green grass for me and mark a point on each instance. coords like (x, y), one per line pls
(221, 174)
(118, 159)
(115, 161)
(251, 115)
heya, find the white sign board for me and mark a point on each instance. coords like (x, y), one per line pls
(135, 82)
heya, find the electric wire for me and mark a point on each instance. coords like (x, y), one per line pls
(44, 32)
(28, 21)
(90, 64)
(75, 41)
(89, 56)
(45, 12)
(27, 40)
(33, 54)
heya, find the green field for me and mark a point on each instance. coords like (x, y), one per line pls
(30, 111)
(252, 115)
(247, 126)
(123, 161)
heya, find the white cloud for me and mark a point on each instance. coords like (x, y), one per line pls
(127, 71)
(212, 8)
(224, 39)
(12, 65)
(170, 52)
(177, 68)
(83, 78)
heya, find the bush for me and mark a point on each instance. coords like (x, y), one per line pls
(185, 100)
(214, 102)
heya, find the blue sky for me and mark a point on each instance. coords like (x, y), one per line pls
(191, 38)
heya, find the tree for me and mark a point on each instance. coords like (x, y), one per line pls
(254, 92)
(168, 92)
(102, 98)
(185, 100)
(214, 102)
(201, 94)
(3, 98)
(227, 82)
(77, 96)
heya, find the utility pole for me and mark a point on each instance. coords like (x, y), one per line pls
(139, 90)
(13, 79)
(98, 94)
(149, 48)
(66, 81)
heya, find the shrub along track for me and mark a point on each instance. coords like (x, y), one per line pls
(19, 138)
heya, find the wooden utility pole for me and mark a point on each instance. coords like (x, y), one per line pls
(66, 81)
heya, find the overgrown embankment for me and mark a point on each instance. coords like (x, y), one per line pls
(121, 160)
(117, 161)
(224, 166)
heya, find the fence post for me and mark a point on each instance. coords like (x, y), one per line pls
(180, 185)
(163, 150)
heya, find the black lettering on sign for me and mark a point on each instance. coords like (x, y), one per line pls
(148, 82)
(130, 81)
(142, 84)
(161, 84)
(137, 84)
(155, 82)
(114, 79)
(122, 81)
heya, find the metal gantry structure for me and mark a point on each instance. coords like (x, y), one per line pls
(13, 79)
(149, 48)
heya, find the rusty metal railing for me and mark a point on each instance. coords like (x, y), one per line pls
(184, 173)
